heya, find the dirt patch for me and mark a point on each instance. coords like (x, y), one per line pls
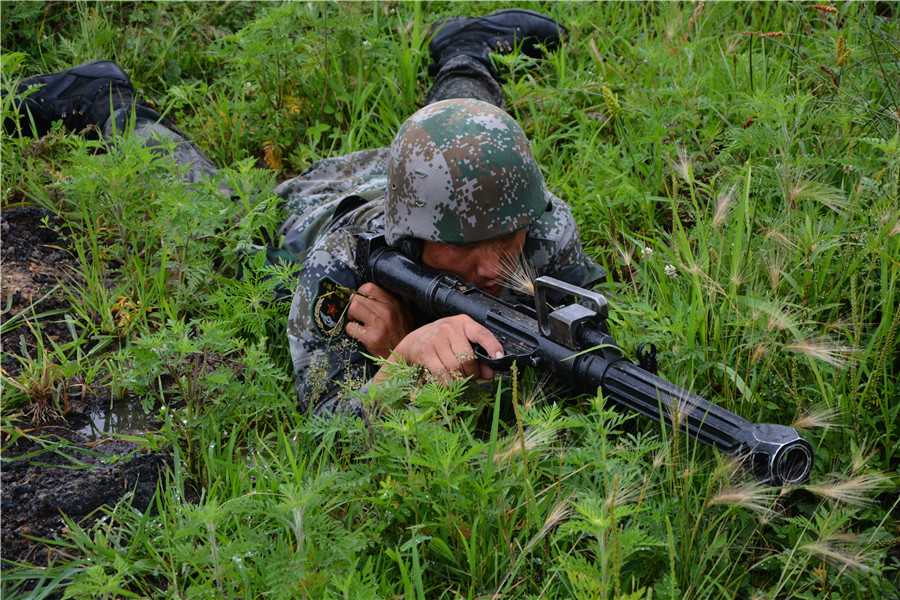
(53, 469)
(40, 483)
(35, 264)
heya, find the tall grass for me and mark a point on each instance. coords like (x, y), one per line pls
(735, 168)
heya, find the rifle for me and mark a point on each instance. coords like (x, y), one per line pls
(572, 342)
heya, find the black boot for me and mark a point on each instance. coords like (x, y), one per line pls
(80, 97)
(498, 32)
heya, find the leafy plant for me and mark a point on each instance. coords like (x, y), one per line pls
(735, 168)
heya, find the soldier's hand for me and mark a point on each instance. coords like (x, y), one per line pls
(378, 319)
(444, 348)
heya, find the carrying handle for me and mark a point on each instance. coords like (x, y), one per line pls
(593, 300)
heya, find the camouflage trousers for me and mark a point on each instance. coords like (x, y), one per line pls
(465, 77)
(164, 138)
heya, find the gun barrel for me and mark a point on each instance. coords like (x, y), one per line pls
(774, 453)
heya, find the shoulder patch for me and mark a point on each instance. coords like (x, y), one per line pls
(329, 308)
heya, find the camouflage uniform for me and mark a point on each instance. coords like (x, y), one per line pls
(337, 197)
(323, 356)
(466, 177)
(465, 77)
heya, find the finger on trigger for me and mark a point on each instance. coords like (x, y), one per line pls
(483, 336)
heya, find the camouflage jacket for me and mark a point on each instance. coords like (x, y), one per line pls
(331, 201)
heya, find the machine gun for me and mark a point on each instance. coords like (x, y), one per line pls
(572, 342)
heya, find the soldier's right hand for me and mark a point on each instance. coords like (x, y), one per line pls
(444, 349)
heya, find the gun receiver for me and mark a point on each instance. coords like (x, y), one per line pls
(573, 343)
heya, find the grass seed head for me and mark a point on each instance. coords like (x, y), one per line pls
(823, 417)
(518, 274)
(774, 268)
(559, 512)
(759, 351)
(544, 388)
(683, 165)
(856, 491)
(659, 458)
(862, 456)
(751, 496)
(627, 254)
(781, 320)
(672, 26)
(693, 20)
(724, 203)
(835, 552)
(612, 103)
(535, 437)
(823, 349)
(782, 240)
(728, 468)
(842, 52)
(681, 409)
(807, 189)
(623, 495)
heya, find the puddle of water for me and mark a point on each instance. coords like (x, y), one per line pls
(125, 416)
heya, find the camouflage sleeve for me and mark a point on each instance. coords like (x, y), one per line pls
(553, 247)
(330, 178)
(325, 359)
(329, 201)
(327, 190)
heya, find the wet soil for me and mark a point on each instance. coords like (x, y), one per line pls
(66, 465)
(40, 484)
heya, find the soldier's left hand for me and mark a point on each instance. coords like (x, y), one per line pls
(378, 319)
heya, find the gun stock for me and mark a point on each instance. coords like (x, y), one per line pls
(573, 344)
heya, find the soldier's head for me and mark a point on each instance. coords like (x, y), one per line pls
(463, 180)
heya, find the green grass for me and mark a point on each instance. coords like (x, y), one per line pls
(741, 188)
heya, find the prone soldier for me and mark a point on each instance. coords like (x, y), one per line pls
(458, 189)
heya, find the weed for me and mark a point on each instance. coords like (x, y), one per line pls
(734, 166)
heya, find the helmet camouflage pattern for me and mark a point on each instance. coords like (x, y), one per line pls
(461, 171)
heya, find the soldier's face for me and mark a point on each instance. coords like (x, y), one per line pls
(484, 264)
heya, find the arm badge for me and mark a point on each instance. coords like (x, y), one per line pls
(330, 308)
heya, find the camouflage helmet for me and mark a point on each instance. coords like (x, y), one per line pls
(461, 171)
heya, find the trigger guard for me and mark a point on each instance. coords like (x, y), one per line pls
(504, 363)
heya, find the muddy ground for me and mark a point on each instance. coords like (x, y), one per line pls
(57, 466)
